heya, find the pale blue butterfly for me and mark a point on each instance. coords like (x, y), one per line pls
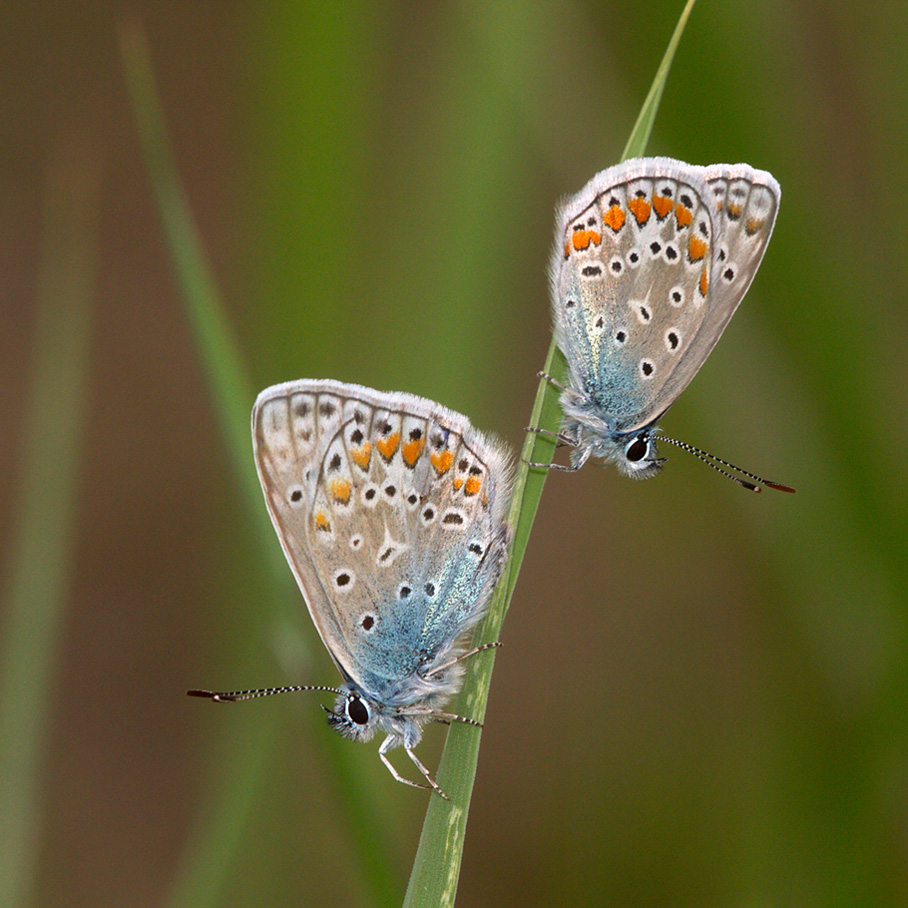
(391, 511)
(651, 259)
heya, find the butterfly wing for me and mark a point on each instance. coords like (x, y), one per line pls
(637, 287)
(390, 510)
(746, 202)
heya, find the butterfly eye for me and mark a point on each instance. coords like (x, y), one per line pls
(637, 449)
(357, 711)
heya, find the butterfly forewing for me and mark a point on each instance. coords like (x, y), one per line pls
(398, 497)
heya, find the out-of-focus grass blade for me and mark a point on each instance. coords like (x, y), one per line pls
(37, 575)
(219, 351)
(212, 847)
(436, 869)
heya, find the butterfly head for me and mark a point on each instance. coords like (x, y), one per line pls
(634, 454)
(358, 718)
(353, 716)
(637, 456)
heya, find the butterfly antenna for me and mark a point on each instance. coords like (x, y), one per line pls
(712, 461)
(231, 696)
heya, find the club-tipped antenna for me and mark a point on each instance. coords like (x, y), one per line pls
(712, 461)
(232, 696)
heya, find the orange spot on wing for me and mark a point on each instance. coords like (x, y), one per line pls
(683, 215)
(734, 211)
(442, 461)
(473, 485)
(567, 250)
(704, 282)
(340, 491)
(640, 209)
(361, 456)
(457, 484)
(412, 449)
(614, 218)
(581, 239)
(696, 248)
(321, 522)
(663, 205)
(387, 446)
(753, 225)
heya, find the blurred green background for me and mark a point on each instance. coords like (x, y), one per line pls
(703, 695)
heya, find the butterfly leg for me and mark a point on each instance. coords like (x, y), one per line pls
(390, 742)
(560, 437)
(448, 718)
(564, 468)
(425, 772)
(552, 381)
(563, 439)
(573, 467)
(461, 657)
(569, 435)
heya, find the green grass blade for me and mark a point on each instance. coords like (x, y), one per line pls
(214, 845)
(436, 869)
(639, 138)
(37, 575)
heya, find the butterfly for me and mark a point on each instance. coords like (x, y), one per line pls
(651, 259)
(390, 510)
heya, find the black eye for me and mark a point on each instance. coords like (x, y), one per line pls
(357, 711)
(636, 450)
